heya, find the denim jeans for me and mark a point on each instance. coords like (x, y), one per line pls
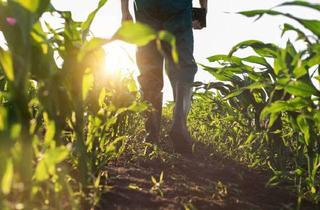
(151, 60)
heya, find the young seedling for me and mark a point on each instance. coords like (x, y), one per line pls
(157, 185)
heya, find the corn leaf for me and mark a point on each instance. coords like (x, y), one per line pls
(171, 40)
(31, 5)
(276, 107)
(135, 33)
(7, 177)
(299, 88)
(312, 25)
(304, 127)
(257, 60)
(225, 58)
(85, 27)
(301, 4)
(87, 85)
(7, 64)
(262, 49)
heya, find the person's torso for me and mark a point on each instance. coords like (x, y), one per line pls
(163, 7)
(172, 15)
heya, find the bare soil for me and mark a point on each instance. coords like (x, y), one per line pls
(205, 181)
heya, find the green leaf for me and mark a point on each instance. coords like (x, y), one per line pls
(44, 6)
(276, 107)
(57, 155)
(7, 177)
(290, 49)
(316, 117)
(50, 129)
(262, 49)
(90, 46)
(41, 172)
(85, 27)
(50, 132)
(304, 127)
(297, 103)
(134, 187)
(258, 60)
(315, 60)
(15, 131)
(135, 33)
(138, 107)
(301, 34)
(301, 3)
(31, 5)
(299, 88)
(132, 86)
(153, 180)
(299, 171)
(312, 25)
(280, 65)
(170, 39)
(273, 118)
(234, 94)
(259, 13)
(220, 75)
(299, 70)
(226, 58)
(102, 97)
(116, 147)
(161, 177)
(7, 64)
(87, 85)
(233, 69)
(256, 85)
(249, 140)
(97, 181)
(3, 118)
(47, 164)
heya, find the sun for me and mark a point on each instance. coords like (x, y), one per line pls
(120, 57)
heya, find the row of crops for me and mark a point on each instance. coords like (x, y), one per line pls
(270, 101)
(61, 118)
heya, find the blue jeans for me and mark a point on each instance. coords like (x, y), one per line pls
(150, 60)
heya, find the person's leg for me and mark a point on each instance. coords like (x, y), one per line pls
(150, 63)
(182, 77)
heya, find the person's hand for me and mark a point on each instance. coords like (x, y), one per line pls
(126, 16)
(196, 25)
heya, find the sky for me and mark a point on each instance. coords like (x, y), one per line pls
(225, 29)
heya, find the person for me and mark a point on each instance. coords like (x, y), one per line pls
(174, 16)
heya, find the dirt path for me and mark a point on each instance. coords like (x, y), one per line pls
(198, 183)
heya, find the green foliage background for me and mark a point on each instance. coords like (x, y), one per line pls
(60, 124)
(269, 114)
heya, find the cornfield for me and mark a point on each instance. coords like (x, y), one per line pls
(62, 119)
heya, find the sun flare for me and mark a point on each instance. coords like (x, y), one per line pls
(120, 57)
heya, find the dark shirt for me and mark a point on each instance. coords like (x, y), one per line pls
(163, 7)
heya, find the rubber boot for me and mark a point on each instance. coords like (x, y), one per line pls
(179, 134)
(153, 116)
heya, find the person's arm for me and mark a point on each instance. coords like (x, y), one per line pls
(126, 16)
(196, 24)
(204, 4)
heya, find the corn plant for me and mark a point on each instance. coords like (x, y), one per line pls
(280, 87)
(60, 120)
